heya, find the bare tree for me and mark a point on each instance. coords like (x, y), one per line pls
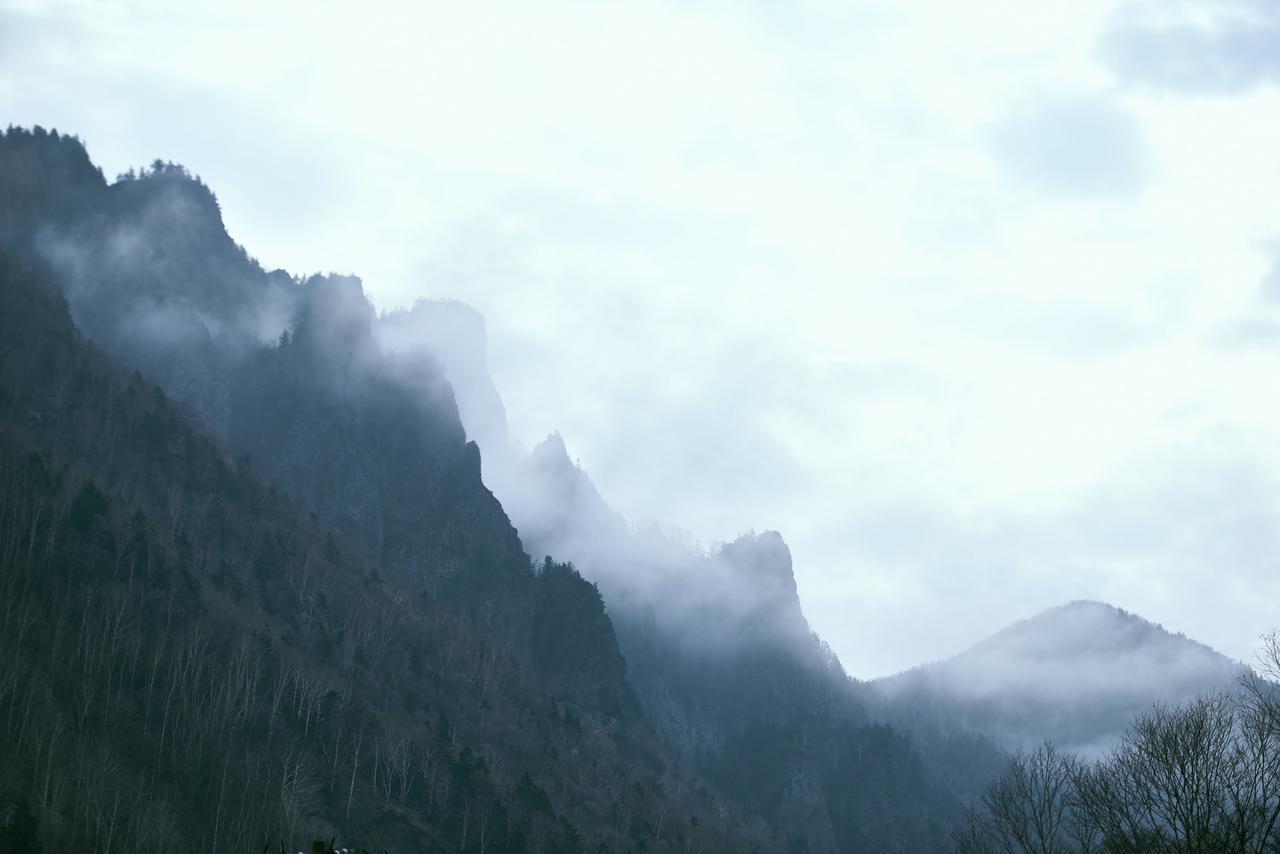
(1027, 810)
(975, 834)
(1179, 782)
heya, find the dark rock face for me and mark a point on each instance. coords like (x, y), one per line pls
(574, 649)
(761, 567)
(452, 335)
(379, 452)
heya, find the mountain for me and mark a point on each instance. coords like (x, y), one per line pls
(272, 568)
(1075, 674)
(255, 585)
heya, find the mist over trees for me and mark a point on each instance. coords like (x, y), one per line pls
(190, 657)
(293, 663)
(351, 638)
(1199, 777)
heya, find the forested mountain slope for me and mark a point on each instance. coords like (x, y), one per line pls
(190, 660)
(337, 622)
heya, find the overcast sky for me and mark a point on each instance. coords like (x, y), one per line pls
(977, 303)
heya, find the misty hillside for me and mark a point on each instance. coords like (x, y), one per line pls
(716, 641)
(387, 621)
(187, 655)
(1075, 674)
(677, 609)
(356, 640)
(639, 428)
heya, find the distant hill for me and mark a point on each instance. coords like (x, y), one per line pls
(1076, 674)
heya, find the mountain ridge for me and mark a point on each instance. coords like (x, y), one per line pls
(435, 587)
(364, 440)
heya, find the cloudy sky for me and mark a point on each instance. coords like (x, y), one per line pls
(978, 303)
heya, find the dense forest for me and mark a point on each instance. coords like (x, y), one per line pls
(257, 589)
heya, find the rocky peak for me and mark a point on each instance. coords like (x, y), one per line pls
(551, 452)
(453, 335)
(764, 561)
(334, 313)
